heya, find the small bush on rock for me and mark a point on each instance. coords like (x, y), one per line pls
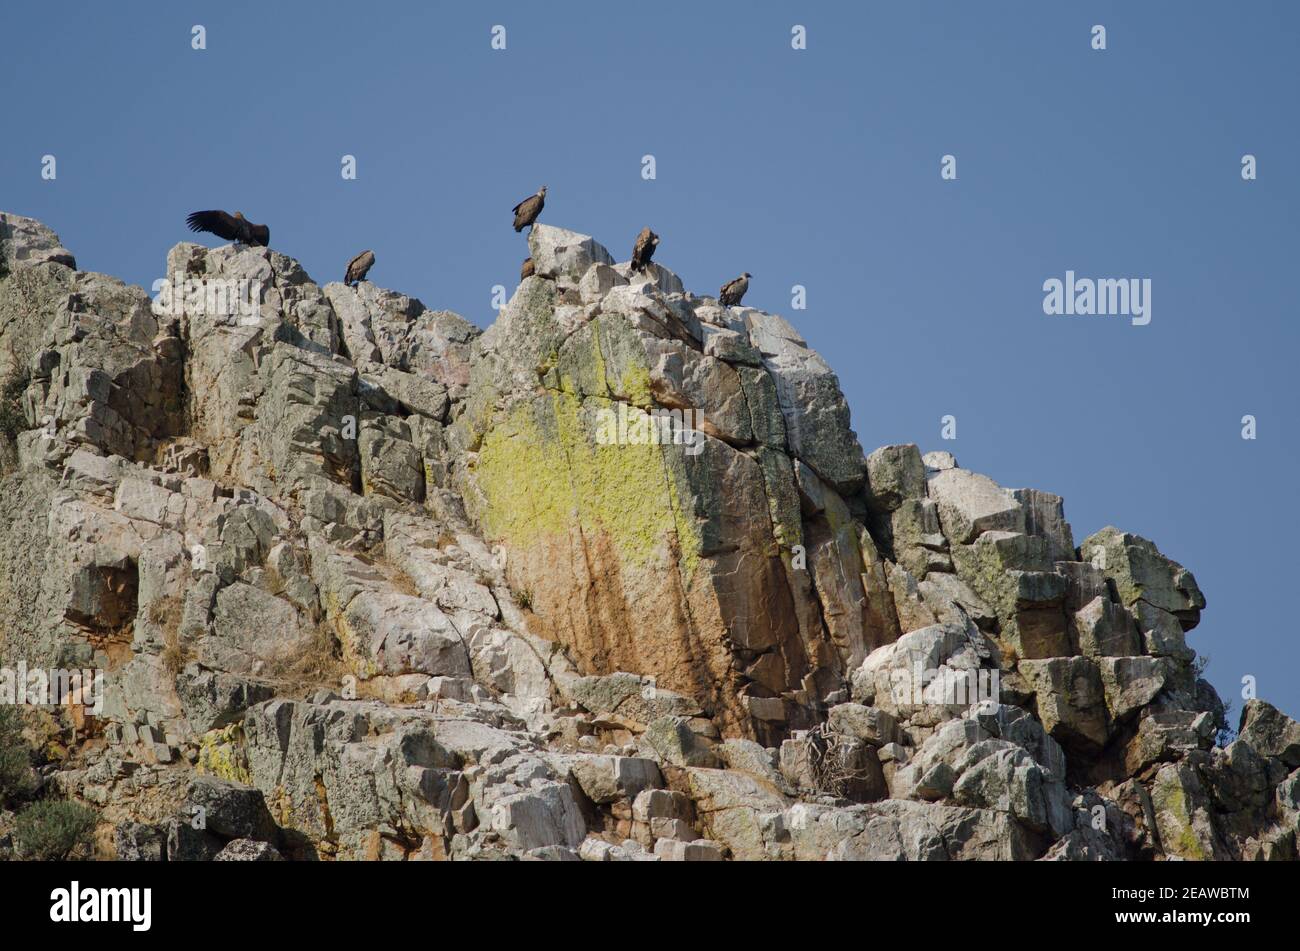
(17, 779)
(54, 830)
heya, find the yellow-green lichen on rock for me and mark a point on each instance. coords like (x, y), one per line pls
(542, 472)
(1182, 818)
(222, 753)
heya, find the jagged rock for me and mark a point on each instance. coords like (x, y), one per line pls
(1104, 629)
(1019, 727)
(28, 243)
(598, 850)
(671, 740)
(252, 627)
(897, 831)
(1130, 683)
(1270, 732)
(248, 850)
(1071, 700)
(729, 807)
(228, 809)
(1011, 572)
(952, 600)
(1183, 814)
(187, 844)
(518, 616)
(651, 804)
(971, 504)
(1084, 845)
(1045, 518)
(868, 724)
(338, 770)
(1141, 573)
(965, 763)
(1164, 735)
(749, 757)
(559, 253)
(927, 675)
(390, 632)
(607, 778)
(630, 696)
(1161, 632)
(546, 815)
(137, 842)
(918, 540)
(808, 392)
(895, 474)
(1006, 777)
(700, 850)
(934, 461)
(212, 699)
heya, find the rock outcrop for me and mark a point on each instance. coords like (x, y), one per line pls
(611, 580)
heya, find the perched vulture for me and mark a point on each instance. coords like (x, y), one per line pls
(527, 270)
(644, 249)
(231, 227)
(733, 291)
(526, 211)
(359, 267)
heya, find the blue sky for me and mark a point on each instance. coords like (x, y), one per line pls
(817, 167)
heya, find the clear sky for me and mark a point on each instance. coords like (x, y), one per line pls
(818, 167)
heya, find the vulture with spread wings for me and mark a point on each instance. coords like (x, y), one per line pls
(231, 227)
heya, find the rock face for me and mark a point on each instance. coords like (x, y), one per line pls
(670, 553)
(612, 580)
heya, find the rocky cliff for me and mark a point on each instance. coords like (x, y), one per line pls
(612, 579)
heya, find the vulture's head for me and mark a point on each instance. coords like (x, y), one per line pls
(746, 275)
(541, 192)
(240, 216)
(654, 239)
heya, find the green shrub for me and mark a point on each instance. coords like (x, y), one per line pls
(12, 418)
(54, 830)
(17, 779)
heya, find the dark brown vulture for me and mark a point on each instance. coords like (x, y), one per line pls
(527, 270)
(644, 249)
(733, 291)
(358, 267)
(526, 211)
(231, 227)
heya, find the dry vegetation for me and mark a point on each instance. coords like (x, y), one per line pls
(166, 614)
(319, 665)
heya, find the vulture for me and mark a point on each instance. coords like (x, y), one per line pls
(359, 267)
(527, 269)
(733, 291)
(526, 211)
(644, 249)
(231, 227)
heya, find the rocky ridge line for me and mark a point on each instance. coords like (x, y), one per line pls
(560, 647)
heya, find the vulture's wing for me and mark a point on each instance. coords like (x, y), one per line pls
(261, 235)
(218, 223)
(359, 266)
(526, 211)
